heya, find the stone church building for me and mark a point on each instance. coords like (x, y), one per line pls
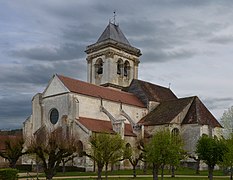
(114, 100)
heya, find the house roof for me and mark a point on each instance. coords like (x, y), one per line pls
(113, 32)
(89, 89)
(96, 125)
(113, 37)
(198, 113)
(146, 91)
(168, 110)
(165, 112)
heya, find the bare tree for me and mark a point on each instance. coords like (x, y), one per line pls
(13, 149)
(51, 150)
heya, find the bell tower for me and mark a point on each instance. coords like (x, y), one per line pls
(112, 61)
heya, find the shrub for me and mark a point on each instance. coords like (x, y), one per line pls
(24, 167)
(71, 169)
(8, 174)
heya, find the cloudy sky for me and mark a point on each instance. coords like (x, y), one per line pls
(185, 43)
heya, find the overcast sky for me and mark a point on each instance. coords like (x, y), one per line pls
(187, 43)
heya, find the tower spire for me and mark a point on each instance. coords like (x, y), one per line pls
(112, 61)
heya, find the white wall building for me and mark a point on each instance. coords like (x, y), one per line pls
(114, 100)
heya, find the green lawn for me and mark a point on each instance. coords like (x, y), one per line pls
(180, 171)
(149, 178)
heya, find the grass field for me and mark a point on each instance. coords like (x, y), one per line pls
(180, 171)
(181, 174)
(149, 178)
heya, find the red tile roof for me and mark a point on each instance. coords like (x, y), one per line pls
(99, 126)
(89, 89)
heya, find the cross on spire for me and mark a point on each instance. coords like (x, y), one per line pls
(114, 17)
(113, 20)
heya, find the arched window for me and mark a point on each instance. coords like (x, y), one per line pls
(80, 148)
(175, 135)
(175, 132)
(128, 145)
(204, 134)
(126, 68)
(99, 66)
(120, 67)
(128, 150)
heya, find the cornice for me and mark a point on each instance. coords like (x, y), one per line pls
(110, 53)
(114, 44)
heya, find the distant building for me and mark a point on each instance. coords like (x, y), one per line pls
(114, 100)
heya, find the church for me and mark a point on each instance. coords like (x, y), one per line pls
(114, 100)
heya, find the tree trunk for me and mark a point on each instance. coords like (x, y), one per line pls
(63, 166)
(231, 173)
(162, 172)
(49, 176)
(134, 171)
(94, 166)
(49, 173)
(198, 166)
(37, 168)
(106, 171)
(100, 167)
(211, 169)
(145, 168)
(112, 167)
(173, 171)
(155, 171)
(12, 164)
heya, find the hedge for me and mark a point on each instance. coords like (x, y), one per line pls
(8, 174)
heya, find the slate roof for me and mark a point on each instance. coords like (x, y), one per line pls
(146, 91)
(168, 110)
(165, 112)
(96, 125)
(89, 89)
(113, 31)
(198, 113)
(113, 37)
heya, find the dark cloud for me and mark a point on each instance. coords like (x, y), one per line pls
(145, 32)
(39, 74)
(164, 56)
(187, 3)
(218, 103)
(44, 38)
(19, 85)
(225, 39)
(83, 33)
(44, 53)
(14, 110)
